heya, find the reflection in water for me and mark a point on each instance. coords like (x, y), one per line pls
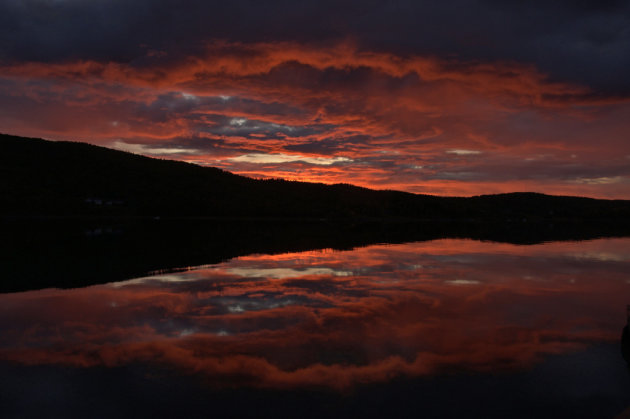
(337, 319)
(625, 339)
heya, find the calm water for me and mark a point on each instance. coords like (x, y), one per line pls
(443, 328)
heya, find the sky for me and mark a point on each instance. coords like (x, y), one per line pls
(448, 98)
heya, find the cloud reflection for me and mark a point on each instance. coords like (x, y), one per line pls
(335, 319)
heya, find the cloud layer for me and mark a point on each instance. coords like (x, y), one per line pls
(447, 99)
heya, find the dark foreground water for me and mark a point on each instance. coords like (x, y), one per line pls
(445, 328)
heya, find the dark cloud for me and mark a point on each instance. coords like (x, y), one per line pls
(331, 145)
(580, 41)
(236, 126)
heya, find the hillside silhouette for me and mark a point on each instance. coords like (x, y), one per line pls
(74, 214)
(46, 178)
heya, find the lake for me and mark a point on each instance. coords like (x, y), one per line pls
(440, 328)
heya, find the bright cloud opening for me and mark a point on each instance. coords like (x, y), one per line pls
(262, 158)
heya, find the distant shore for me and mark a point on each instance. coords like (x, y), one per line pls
(76, 180)
(68, 252)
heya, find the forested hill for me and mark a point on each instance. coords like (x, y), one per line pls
(45, 178)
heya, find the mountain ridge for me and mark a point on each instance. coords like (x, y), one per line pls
(54, 178)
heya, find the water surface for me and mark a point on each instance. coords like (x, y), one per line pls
(439, 328)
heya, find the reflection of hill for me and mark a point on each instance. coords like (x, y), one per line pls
(108, 200)
(625, 344)
(625, 339)
(60, 178)
(40, 253)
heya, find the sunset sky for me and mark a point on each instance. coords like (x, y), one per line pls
(451, 98)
